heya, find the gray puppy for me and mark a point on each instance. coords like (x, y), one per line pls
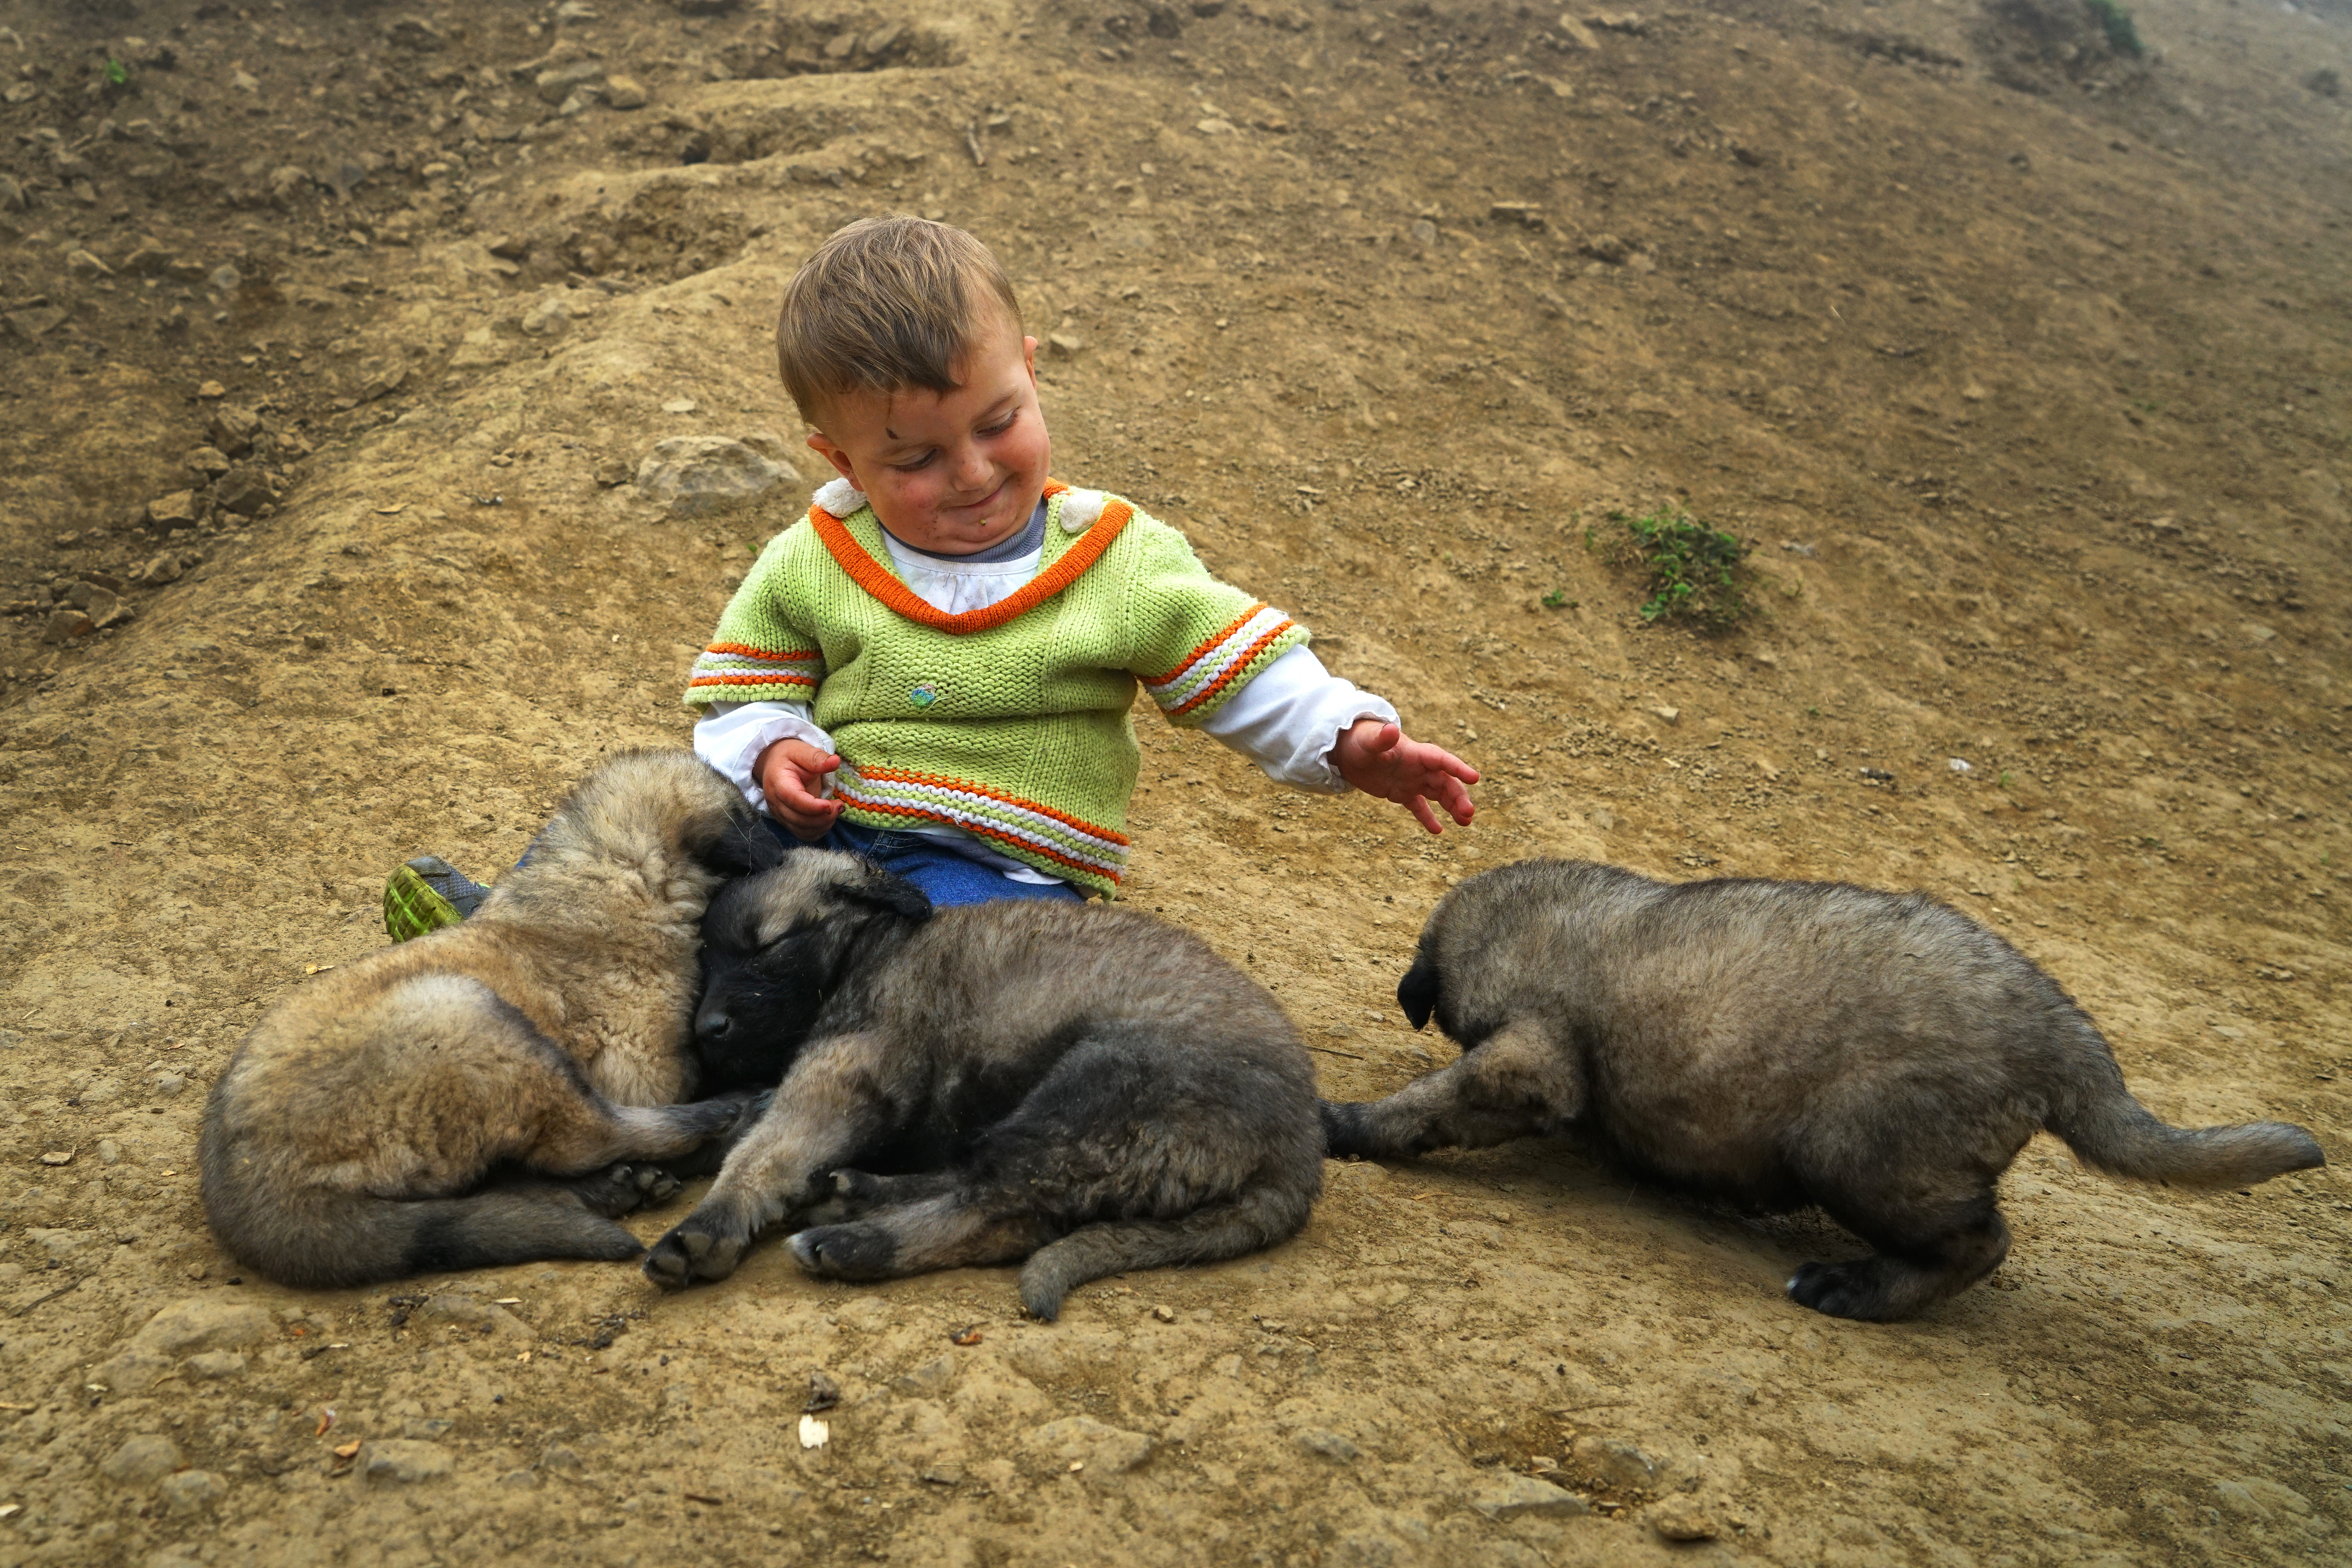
(1084, 1087)
(1779, 1043)
(349, 1138)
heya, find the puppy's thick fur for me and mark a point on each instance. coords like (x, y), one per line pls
(349, 1138)
(1779, 1043)
(1082, 1087)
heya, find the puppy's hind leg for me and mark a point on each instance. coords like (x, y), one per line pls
(1927, 1251)
(945, 1231)
(1515, 1083)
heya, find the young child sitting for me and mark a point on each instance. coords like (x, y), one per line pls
(935, 668)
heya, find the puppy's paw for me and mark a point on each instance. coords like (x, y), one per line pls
(699, 1247)
(624, 1189)
(1343, 1128)
(846, 1251)
(1856, 1289)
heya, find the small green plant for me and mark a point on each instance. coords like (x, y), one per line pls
(2005, 776)
(1812, 712)
(1558, 599)
(117, 73)
(1697, 573)
(2116, 23)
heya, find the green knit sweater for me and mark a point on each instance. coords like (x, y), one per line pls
(1010, 721)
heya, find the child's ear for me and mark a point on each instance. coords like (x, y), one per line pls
(1029, 358)
(820, 442)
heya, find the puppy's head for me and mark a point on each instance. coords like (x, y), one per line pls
(775, 946)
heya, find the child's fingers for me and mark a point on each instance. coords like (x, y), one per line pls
(1426, 817)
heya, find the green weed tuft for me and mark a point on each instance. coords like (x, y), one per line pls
(2122, 37)
(1697, 573)
(117, 73)
(1558, 599)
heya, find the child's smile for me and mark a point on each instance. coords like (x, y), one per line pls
(956, 472)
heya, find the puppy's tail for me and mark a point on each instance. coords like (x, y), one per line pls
(1258, 1218)
(330, 1240)
(2111, 1132)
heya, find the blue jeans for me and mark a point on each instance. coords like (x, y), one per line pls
(945, 876)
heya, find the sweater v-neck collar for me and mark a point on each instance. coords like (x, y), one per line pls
(866, 559)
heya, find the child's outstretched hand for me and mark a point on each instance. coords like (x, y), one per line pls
(1376, 758)
(789, 774)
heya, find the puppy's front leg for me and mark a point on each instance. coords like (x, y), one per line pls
(1515, 1083)
(829, 1107)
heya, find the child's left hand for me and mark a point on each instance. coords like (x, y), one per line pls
(1378, 759)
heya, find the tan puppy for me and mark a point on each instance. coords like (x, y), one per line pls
(351, 1138)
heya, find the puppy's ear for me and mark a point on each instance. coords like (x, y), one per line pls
(1417, 992)
(744, 847)
(880, 889)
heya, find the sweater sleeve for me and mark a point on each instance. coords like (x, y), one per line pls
(761, 653)
(1199, 641)
(1287, 719)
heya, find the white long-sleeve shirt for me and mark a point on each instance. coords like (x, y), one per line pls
(1285, 720)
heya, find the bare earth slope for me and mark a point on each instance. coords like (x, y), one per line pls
(2023, 361)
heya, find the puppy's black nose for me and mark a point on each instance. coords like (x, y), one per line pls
(712, 1025)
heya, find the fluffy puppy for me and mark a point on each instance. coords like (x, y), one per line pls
(1083, 1087)
(1779, 1043)
(545, 1040)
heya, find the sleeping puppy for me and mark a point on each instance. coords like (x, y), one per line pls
(1080, 1086)
(488, 1094)
(1779, 1043)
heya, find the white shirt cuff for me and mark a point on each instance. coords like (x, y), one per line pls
(1290, 715)
(730, 736)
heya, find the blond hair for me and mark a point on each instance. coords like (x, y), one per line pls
(887, 303)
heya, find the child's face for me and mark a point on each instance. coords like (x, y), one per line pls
(950, 473)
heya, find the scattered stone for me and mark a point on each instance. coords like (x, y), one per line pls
(1671, 715)
(1627, 21)
(36, 321)
(141, 1461)
(211, 389)
(383, 378)
(233, 429)
(86, 264)
(414, 33)
(1527, 215)
(1524, 1497)
(680, 405)
(169, 1084)
(206, 462)
(556, 85)
(426, 1426)
(106, 608)
(522, 1479)
(1213, 126)
(12, 195)
(244, 489)
(59, 1245)
(215, 1365)
(2326, 81)
(942, 1475)
(1679, 1518)
(109, 1151)
(695, 474)
(508, 246)
(1425, 233)
(1577, 32)
(612, 472)
(1066, 344)
(824, 1392)
(404, 1459)
(66, 624)
(1614, 1462)
(177, 509)
(1082, 1439)
(561, 1460)
(1606, 247)
(1329, 1444)
(160, 568)
(625, 92)
(203, 1323)
(193, 1491)
(547, 319)
(226, 278)
(1165, 1314)
(927, 1380)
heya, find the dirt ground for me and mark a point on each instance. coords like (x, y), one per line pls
(333, 334)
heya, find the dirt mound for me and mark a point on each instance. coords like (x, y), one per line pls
(341, 336)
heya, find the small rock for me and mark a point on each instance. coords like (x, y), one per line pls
(12, 195)
(563, 1461)
(210, 462)
(426, 1426)
(625, 92)
(1425, 233)
(109, 1151)
(1103, 1450)
(824, 1392)
(244, 490)
(680, 405)
(1606, 247)
(927, 1379)
(234, 429)
(226, 278)
(508, 246)
(211, 389)
(941, 1476)
(1527, 215)
(106, 608)
(193, 1491)
(1329, 1444)
(1679, 1518)
(203, 1323)
(177, 509)
(414, 33)
(215, 1365)
(521, 1480)
(168, 1084)
(2326, 81)
(1615, 1462)
(1213, 127)
(59, 1245)
(695, 474)
(556, 85)
(610, 473)
(34, 322)
(86, 264)
(547, 319)
(1524, 1497)
(1066, 345)
(404, 1459)
(66, 624)
(141, 1461)
(1671, 715)
(160, 569)
(1577, 32)
(1165, 1314)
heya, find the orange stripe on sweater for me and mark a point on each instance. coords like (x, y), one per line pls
(1202, 652)
(750, 652)
(988, 830)
(879, 581)
(905, 776)
(752, 680)
(1234, 669)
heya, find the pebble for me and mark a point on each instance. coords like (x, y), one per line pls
(66, 624)
(555, 86)
(168, 1084)
(193, 1491)
(141, 1461)
(625, 92)
(177, 509)
(1606, 247)
(927, 1379)
(244, 490)
(234, 429)
(1329, 1444)
(209, 461)
(1165, 1314)
(211, 389)
(547, 319)
(162, 568)
(1425, 233)
(86, 264)
(1679, 1518)
(1671, 715)
(404, 1459)
(1064, 344)
(1527, 215)
(695, 474)
(1524, 1497)
(1614, 1461)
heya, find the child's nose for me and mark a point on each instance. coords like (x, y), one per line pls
(973, 470)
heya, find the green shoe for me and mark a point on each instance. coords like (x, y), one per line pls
(426, 895)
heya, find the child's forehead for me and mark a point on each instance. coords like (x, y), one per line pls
(986, 372)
